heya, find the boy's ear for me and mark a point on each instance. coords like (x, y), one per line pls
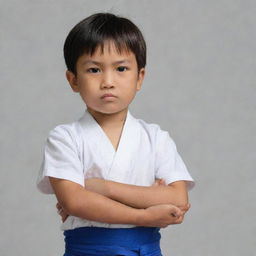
(72, 80)
(141, 76)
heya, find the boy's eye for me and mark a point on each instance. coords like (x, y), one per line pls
(93, 70)
(122, 69)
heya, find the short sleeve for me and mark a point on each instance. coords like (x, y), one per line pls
(169, 164)
(60, 160)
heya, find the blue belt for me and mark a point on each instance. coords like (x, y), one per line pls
(96, 241)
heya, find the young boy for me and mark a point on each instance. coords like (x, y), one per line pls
(117, 179)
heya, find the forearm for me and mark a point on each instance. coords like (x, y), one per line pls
(102, 209)
(95, 207)
(80, 202)
(141, 196)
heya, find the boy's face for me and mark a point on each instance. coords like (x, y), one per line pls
(104, 74)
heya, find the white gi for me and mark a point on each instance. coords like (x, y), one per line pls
(81, 150)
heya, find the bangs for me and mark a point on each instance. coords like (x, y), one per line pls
(109, 31)
(97, 30)
(120, 47)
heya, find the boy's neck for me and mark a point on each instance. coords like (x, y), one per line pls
(109, 120)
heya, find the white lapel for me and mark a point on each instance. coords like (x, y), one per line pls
(117, 165)
(128, 148)
(100, 148)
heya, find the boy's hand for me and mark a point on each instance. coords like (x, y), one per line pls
(61, 212)
(161, 216)
(184, 208)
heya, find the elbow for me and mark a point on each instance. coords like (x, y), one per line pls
(72, 206)
(69, 194)
(179, 201)
(182, 202)
(181, 195)
(78, 207)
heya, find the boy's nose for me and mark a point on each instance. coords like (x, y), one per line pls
(108, 80)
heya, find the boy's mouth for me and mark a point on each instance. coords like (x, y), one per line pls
(108, 95)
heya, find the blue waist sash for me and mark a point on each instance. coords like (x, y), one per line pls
(97, 241)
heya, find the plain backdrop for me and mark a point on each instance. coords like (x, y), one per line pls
(200, 86)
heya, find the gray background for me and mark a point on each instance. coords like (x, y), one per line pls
(200, 86)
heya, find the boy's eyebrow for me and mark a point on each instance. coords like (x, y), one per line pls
(100, 63)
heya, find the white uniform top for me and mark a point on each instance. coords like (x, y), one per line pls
(81, 150)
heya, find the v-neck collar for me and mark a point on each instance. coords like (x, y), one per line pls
(94, 127)
(99, 143)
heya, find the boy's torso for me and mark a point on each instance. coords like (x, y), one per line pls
(82, 149)
(130, 160)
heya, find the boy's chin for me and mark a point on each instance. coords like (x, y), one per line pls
(107, 111)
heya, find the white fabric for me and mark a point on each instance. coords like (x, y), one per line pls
(81, 150)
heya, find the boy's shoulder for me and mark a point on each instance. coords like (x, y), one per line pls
(153, 129)
(69, 131)
(148, 126)
(158, 137)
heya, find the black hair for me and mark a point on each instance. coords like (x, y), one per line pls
(98, 28)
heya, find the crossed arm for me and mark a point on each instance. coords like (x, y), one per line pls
(112, 202)
(141, 196)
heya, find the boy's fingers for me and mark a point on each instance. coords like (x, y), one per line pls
(59, 211)
(58, 206)
(176, 212)
(185, 208)
(180, 219)
(159, 182)
(162, 182)
(156, 183)
(64, 218)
